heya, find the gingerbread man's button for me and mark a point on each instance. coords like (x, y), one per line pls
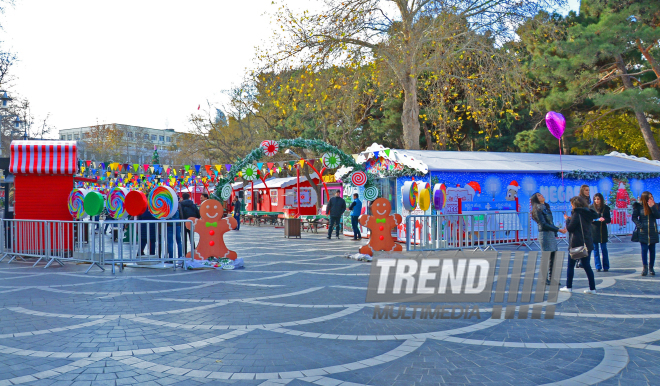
(380, 228)
(212, 243)
(211, 232)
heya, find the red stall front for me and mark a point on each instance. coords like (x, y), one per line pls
(43, 178)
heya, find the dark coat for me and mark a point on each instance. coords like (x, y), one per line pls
(188, 209)
(151, 233)
(336, 207)
(644, 222)
(543, 217)
(237, 208)
(599, 228)
(581, 218)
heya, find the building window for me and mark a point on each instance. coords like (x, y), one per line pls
(68, 137)
(130, 135)
(85, 135)
(62, 137)
(153, 137)
(273, 196)
(162, 138)
(169, 139)
(146, 136)
(76, 136)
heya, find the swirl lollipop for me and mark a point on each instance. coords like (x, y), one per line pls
(76, 207)
(163, 202)
(409, 192)
(115, 203)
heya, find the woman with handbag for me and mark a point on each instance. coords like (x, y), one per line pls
(580, 243)
(644, 216)
(542, 215)
(599, 232)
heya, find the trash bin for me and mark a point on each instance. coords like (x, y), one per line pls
(291, 227)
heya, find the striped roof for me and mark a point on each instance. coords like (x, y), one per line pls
(43, 157)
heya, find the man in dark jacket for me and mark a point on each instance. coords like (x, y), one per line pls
(148, 233)
(237, 212)
(335, 209)
(188, 209)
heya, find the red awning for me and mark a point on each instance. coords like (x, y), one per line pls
(43, 157)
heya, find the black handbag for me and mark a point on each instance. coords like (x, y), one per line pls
(635, 236)
(582, 251)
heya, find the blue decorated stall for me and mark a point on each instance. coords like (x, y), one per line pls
(491, 182)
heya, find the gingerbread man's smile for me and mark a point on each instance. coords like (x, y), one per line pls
(214, 216)
(381, 213)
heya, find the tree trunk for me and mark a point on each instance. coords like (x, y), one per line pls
(644, 126)
(427, 135)
(410, 115)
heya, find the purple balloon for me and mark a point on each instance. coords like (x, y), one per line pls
(556, 123)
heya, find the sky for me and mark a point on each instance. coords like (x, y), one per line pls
(146, 63)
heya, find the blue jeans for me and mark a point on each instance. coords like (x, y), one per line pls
(170, 241)
(646, 248)
(606, 256)
(355, 223)
(334, 221)
(238, 221)
(570, 271)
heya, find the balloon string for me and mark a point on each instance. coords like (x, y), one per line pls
(561, 165)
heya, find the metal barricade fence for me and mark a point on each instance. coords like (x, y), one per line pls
(621, 224)
(127, 242)
(439, 232)
(485, 230)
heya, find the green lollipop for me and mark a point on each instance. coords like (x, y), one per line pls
(93, 203)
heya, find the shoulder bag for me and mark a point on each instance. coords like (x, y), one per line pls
(580, 252)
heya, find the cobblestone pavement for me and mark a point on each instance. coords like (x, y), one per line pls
(297, 315)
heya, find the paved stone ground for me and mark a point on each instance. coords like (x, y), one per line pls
(297, 315)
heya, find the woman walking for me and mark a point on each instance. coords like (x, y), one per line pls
(599, 232)
(644, 216)
(585, 193)
(579, 234)
(542, 214)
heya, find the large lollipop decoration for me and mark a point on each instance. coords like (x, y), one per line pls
(556, 125)
(163, 203)
(76, 207)
(270, 147)
(359, 178)
(115, 203)
(135, 203)
(250, 172)
(330, 160)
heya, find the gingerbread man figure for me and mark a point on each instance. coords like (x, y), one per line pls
(211, 229)
(380, 224)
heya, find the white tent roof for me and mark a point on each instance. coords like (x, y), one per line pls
(466, 161)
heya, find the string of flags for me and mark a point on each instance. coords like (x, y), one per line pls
(111, 174)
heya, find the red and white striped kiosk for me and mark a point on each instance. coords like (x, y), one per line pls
(43, 178)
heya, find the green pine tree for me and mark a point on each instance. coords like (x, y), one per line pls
(155, 159)
(604, 61)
